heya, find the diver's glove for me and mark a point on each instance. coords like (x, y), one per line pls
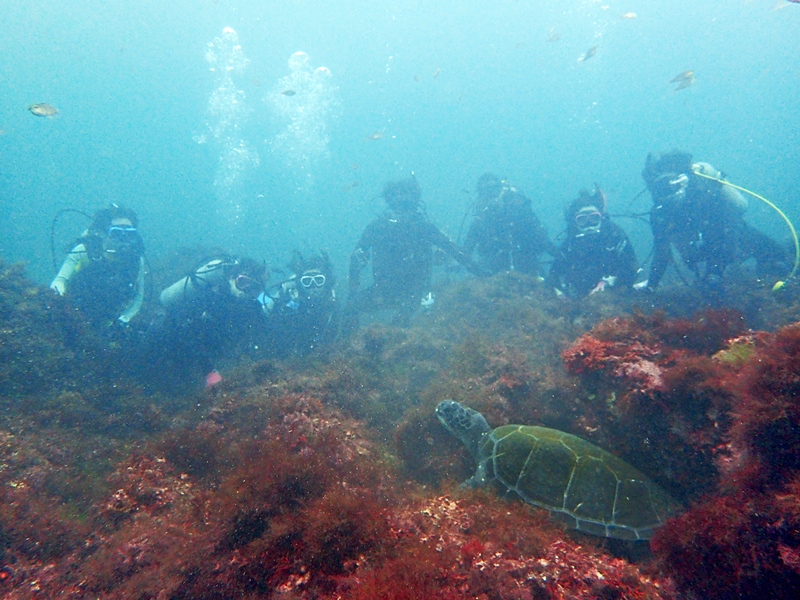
(643, 286)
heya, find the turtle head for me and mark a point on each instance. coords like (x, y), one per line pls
(466, 424)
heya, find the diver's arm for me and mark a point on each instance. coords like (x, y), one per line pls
(439, 239)
(135, 305)
(210, 274)
(177, 292)
(72, 265)
(661, 259)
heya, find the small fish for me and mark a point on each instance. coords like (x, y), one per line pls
(589, 53)
(684, 80)
(43, 110)
(437, 72)
(375, 136)
(684, 84)
(288, 93)
(552, 36)
(682, 77)
(351, 186)
(628, 15)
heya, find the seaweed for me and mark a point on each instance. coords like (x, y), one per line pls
(328, 476)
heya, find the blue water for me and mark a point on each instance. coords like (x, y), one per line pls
(451, 88)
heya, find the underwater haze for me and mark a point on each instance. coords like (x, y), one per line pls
(202, 116)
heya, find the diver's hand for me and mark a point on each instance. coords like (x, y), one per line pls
(643, 286)
(600, 287)
(607, 281)
(59, 286)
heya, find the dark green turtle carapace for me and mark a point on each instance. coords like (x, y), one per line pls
(593, 490)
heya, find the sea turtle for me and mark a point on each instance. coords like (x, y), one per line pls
(593, 490)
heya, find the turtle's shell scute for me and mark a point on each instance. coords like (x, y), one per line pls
(593, 490)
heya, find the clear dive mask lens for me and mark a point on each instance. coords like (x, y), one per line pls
(588, 220)
(316, 280)
(121, 233)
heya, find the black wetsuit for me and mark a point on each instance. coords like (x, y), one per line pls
(299, 323)
(709, 234)
(508, 236)
(104, 286)
(401, 249)
(184, 343)
(584, 260)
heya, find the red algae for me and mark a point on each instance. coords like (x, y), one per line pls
(744, 542)
(657, 396)
(482, 547)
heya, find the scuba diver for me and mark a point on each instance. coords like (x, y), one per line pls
(104, 273)
(506, 234)
(702, 221)
(203, 315)
(400, 244)
(597, 254)
(303, 311)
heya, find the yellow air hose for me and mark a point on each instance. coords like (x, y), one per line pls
(778, 284)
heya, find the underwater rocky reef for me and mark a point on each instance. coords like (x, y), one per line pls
(330, 477)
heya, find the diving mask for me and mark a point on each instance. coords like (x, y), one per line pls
(122, 233)
(248, 285)
(317, 280)
(589, 219)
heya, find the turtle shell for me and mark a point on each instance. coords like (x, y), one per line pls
(593, 490)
